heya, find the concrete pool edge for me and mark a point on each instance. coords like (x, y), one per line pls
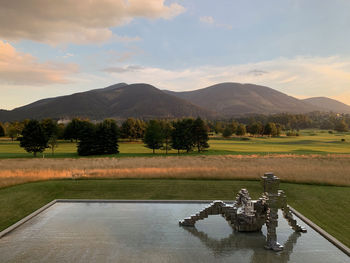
(307, 221)
(322, 232)
(27, 218)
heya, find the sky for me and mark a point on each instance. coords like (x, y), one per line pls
(53, 48)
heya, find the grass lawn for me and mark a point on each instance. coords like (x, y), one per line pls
(327, 206)
(310, 142)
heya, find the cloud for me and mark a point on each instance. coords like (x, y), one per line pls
(299, 76)
(210, 21)
(68, 55)
(255, 72)
(207, 19)
(122, 69)
(19, 68)
(77, 21)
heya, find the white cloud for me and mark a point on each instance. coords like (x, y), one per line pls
(211, 21)
(19, 68)
(77, 21)
(68, 55)
(207, 19)
(300, 76)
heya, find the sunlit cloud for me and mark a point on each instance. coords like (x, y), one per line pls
(77, 21)
(19, 68)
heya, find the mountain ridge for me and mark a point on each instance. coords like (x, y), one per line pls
(141, 100)
(329, 104)
(232, 99)
(117, 101)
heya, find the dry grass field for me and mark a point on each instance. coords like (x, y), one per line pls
(315, 169)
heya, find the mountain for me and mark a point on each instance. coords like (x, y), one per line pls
(328, 104)
(232, 99)
(118, 101)
(144, 101)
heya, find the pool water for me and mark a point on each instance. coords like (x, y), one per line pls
(149, 232)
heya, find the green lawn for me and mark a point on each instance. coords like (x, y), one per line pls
(310, 142)
(327, 206)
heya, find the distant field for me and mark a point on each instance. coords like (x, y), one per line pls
(310, 142)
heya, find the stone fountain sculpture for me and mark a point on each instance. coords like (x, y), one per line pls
(246, 215)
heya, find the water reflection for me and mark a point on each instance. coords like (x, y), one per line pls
(246, 241)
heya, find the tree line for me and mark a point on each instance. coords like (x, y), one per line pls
(102, 137)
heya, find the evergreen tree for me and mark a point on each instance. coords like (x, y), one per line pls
(74, 128)
(188, 139)
(177, 136)
(106, 138)
(86, 144)
(200, 134)
(167, 130)
(33, 138)
(153, 135)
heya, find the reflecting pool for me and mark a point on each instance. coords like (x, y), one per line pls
(149, 232)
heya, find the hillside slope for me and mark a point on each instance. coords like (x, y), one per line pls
(119, 101)
(329, 104)
(231, 99)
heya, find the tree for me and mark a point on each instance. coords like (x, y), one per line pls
(182, 135)
(2, 130)
(33, 137)
(86, 144)
(167, 130)
(101, 138)
(241, 130)
(227, 132)
(200, 134)
(60, 131)
(12, 132)
(130, 129)
(140, 127)
(74, 128)
(270, 129)
(52, 143)
(177, 136)
(106, 138)
(255, 128)
(341, 126)
(50, 129)
(14, 129)
(218, 127)
(153, 135)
